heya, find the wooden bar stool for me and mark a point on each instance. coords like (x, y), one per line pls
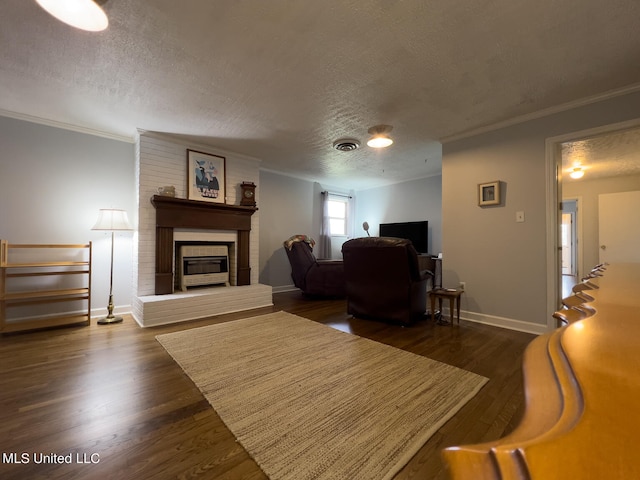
(587, 310)
(584, 296)
(586, 285)
(572, 301)
(567, 316)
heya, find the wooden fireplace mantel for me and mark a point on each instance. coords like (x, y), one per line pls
(180, 213)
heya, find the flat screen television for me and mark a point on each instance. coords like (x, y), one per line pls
(417, 232)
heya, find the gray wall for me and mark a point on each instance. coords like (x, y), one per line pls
(411, 201)
(290, 206)
(504, 262)
(287, 207)
(52, 184)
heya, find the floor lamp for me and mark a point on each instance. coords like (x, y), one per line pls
(111, 219)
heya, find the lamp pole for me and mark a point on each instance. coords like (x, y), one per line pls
(112, 220)
(110, 318)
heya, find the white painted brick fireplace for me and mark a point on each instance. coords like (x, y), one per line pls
(161, 160)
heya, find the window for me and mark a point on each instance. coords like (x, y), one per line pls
(338, 216)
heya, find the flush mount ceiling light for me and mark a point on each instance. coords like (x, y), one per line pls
(83, 14)
(380, 138)
(346, 144)
(577, 172)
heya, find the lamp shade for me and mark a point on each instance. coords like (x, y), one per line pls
(82, 14)
(112, 219)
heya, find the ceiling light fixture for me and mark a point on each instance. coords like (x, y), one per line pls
(83, 14)
(380, 138)
(577, 172)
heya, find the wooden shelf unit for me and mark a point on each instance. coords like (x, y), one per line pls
(53, 268)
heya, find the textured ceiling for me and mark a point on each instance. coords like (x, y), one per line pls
(282, 80)
(608, 155)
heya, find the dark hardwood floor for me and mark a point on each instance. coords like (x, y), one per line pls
(111, 398)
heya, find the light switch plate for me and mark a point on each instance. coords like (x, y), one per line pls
(519, 217)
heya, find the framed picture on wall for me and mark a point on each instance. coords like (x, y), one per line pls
(489, 193)
(206, 177)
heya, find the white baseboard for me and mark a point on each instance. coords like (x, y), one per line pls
(502, 322)
(117, 310)
(284, 288)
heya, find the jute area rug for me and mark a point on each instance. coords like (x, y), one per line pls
(310, 402)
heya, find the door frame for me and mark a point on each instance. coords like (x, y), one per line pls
(578, 232)
(553, 173)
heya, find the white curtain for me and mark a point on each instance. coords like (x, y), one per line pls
(324, 245)
(351, 217)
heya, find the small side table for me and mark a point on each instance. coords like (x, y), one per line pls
(453, 294)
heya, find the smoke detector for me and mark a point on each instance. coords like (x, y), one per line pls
(346, 144)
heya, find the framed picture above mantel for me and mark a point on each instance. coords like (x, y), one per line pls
(206, 177)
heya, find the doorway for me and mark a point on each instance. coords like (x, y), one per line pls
(567, 242)
(608, 155)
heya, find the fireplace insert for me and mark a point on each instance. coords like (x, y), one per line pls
(200, 265)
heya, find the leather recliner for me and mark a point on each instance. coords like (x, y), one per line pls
(320, 278)
(383, 279)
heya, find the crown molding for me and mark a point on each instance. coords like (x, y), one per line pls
(66, 126)
(543, 113)
(189, 142)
